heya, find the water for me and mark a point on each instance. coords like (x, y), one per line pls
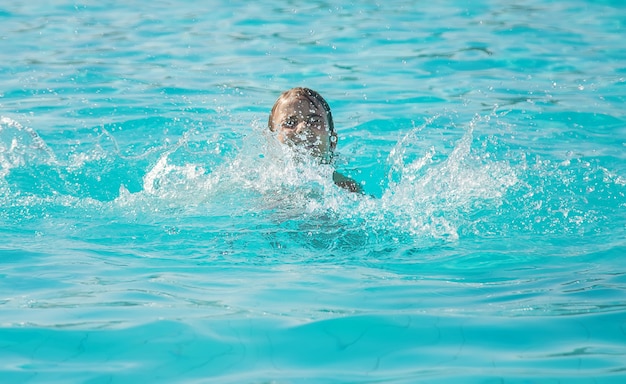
(152, 230)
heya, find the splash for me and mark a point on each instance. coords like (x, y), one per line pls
(434, 193)
(272, 175)
(20, 145)
(438, 193)
(471, 185)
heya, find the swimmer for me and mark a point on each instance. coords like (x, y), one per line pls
(302, 118)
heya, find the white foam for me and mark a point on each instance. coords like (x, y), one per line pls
(424, 197)
(432, 192)
(20, 145)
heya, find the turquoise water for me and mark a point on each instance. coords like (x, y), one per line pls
(151, 229)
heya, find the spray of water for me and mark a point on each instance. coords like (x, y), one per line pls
(432, 192)
(20, 145)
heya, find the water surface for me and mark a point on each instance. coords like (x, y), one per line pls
(151, 229)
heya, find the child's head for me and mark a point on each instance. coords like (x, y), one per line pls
(302, 118)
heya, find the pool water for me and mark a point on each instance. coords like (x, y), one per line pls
(153, 230)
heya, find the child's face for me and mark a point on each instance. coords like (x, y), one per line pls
(303, 123)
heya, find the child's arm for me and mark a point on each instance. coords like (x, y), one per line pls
(346, 183)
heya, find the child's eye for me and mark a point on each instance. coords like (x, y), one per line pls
(315, 120)
(289, 123)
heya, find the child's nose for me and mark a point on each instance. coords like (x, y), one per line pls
(301, 127)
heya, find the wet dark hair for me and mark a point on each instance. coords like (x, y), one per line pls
(309, 94)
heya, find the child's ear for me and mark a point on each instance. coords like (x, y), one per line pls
(333, 140)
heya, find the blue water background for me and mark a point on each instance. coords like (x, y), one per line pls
(151, 229)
